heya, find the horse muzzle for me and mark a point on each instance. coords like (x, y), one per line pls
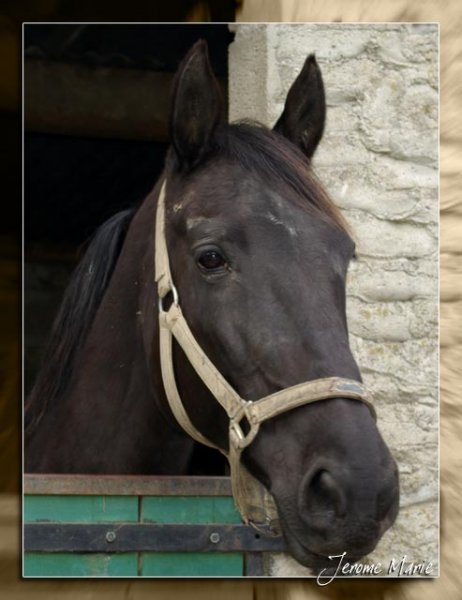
(328, 514)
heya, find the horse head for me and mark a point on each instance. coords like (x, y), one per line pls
(259, 256)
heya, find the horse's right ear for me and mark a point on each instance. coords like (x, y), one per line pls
(304, 115)
(197, 107)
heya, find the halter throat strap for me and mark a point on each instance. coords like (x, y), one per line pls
(253, 501)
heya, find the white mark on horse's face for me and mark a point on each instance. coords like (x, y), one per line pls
(277, 200)
(292, 231)
(177, 207)
(193, 221)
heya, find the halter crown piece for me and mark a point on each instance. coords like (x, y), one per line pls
(254, 502)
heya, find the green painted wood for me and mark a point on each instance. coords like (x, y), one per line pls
(80, 509)
(80, 565)
(192, 564)
(148, 509)
(191, 509)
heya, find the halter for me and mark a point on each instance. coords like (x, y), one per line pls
(256, 505)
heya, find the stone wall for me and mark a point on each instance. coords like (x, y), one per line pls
(379, 161)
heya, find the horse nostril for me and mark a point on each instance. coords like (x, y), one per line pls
(321, 499)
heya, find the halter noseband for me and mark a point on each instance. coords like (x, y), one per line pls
(253, 501)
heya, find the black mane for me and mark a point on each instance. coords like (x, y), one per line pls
(75, 316)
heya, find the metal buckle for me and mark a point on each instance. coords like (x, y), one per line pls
(176, 299)
(236, 429)
(271, 528)
(237, 436)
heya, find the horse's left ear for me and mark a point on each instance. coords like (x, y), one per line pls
(197, 107)
(304, 115)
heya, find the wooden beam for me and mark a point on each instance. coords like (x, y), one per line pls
(121, 485)
(78, 100)
(147, 537)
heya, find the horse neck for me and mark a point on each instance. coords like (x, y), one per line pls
(110, 420)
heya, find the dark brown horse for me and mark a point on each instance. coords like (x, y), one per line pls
(259, 255)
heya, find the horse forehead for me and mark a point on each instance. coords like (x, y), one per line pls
(246, 200)
(242, 193)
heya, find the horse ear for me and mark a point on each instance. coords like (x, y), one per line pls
(304, 115)
(197, 107)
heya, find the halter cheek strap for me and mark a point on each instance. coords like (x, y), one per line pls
(253, 501)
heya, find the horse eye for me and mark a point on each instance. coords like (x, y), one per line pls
(211, 260)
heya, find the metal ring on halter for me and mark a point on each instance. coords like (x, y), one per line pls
(240, 439)
(176, 298)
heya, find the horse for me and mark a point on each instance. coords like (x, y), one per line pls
(258, 254)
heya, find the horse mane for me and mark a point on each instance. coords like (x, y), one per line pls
(279, 162)
(75, 316)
